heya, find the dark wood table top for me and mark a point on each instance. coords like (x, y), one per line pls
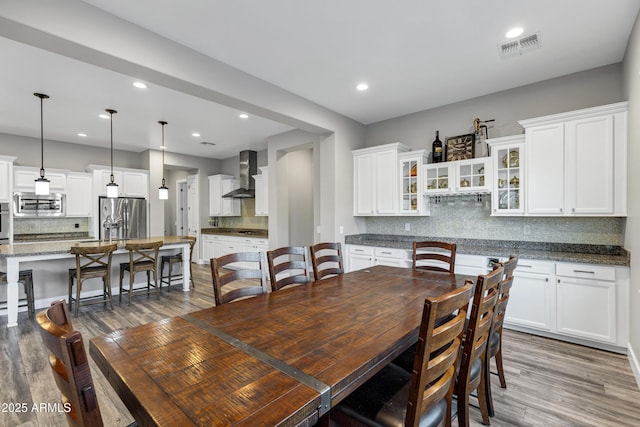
(278, 359)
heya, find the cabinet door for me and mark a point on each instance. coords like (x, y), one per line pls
(589, 172)
(207, 248)
(5, 175)
(545, 155)
(358, 262)
(438, 178)
(530, 301)
(103, 177)
(215, 196)
(364, 184)
(230, 207)
(135, 184)
(587, 309)
(473, 175)
(79, 198)
(387, 183)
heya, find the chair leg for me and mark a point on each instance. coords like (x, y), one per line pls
(107, 284)
(120, 292)
(78, 289)
(482, 398)
(170, 273)
(463, 406)
(28, 285)
(70, 291)
(155, 280)
(503, 381)
(193, 284)
(487, 386)
(131, 277)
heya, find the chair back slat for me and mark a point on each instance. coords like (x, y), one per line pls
(223, 277)
(143, 252)
(287, 266)
(439, 342)
(93, 256)
(70, 365)
(434, 256)
(326, 259)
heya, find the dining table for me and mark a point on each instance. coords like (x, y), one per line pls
(283, 358)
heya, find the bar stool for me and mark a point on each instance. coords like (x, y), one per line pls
(143, 257)
(177, 259)
(26, 277)
(92, 262)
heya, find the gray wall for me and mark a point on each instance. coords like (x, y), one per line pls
(632, 232)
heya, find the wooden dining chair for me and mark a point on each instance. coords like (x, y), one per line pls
(326, 259)
(177, 259)
(494, 349)
(70, 365)
(92, 262)
(471, 375)
(288, 266)
(395, 397)
(435, 256)
(241, 282)
(143, 257)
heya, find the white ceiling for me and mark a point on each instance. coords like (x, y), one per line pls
(414, 54)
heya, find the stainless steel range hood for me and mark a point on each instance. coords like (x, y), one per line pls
(248, 168)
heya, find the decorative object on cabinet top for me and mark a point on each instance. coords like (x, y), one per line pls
(563, 252)
(461, 147)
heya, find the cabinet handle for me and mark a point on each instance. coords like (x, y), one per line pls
(560, 209)
(546, 279)
(525, 265)
(584, 271)
(386, 253)
(358, 250)
(573, 209)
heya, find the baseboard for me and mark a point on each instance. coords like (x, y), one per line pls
(635, 366)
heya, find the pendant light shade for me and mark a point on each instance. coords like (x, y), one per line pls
(112, 187)
(163, 191)
(42, 183)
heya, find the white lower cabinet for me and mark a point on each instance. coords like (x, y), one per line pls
(217, 245)
(531, 299)
(586, 301)
(359, 257)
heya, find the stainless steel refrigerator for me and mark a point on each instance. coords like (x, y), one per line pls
(122, 218)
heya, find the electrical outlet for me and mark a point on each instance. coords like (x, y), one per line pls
(407, 226)
(341, 229)
(318, 229)
(526, 230)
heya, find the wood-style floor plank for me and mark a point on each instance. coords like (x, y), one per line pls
(549, 382)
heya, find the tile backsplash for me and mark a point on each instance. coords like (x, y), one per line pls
(248, 219)
(50, 225)
(465, 217)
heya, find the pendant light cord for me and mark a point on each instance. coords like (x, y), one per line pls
(42, 96)
(163, 148)
(111, 113)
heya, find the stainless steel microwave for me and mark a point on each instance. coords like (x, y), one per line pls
(32, 205)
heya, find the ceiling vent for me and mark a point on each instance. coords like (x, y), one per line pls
(207, 143)
(519, 46)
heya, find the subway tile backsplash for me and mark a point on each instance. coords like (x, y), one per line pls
(463, 217)
(248, 219)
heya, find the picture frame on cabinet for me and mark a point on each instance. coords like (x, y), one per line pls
(461, 147)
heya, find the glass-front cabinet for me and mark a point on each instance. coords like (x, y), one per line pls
(412, 199)
(473, 175)
(438, 177)
(507, 155)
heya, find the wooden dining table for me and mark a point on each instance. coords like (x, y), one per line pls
(279, 359)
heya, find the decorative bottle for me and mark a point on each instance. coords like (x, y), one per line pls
(437, 152)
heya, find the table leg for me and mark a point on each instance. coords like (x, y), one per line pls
(186, 268)
(13, 273)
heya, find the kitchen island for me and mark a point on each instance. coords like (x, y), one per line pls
(50, 262)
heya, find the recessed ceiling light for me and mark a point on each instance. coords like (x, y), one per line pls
(243, 115)
(140, 85)
(104, 116)
(195, 134)
(362, 87)
(514, 32)
(82, 135)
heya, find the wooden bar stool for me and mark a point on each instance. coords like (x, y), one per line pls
(26, 277)
(143, 257)
(92, 262)
(177, 259)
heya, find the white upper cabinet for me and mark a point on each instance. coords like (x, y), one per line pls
(262, 192)
(458, 177)
(576, 162)
(135, 184)
(508, 179)
(412, 200)
(79, 195)
(24, 179)
(131, 182)
(375, 180)
(218, 205)
(6, 178)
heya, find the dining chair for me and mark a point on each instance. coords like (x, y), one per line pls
(92, 262)
(70, 366)
(26, 277)
(288, 266)
(394, 397)
(494, 349)
(471, 374)
(241, 282)
(435, 256)
(143, 257)
(177, 259)
(326, 259)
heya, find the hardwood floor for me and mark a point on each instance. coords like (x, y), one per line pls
(549, 383)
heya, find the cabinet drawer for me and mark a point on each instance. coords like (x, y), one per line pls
(534, 266)
(361, 250)
(586, 271)
(390, 253)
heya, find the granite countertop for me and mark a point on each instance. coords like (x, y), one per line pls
(59, 247)
(48, 237)
(564, 252)
(241, 232)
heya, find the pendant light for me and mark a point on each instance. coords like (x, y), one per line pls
(163, 191)
(42, 183)
(112, 187)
